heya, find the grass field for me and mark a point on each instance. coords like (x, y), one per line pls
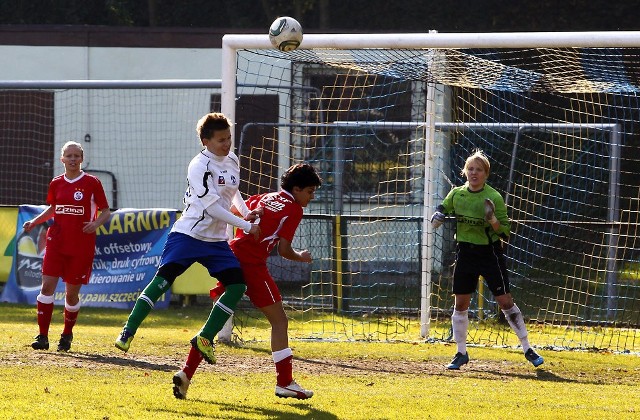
(351, 380)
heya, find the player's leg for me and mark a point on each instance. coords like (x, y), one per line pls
(52, 269)
(182, 378)
(44, 304)
(498, 282)
(180, 251)
(77, 272)
(465, 282)
(233, 281)
(286, 386)
(157, 287)
(224, 335)
(516, 321)
(265, 295)
(71, 311)
(460, 326)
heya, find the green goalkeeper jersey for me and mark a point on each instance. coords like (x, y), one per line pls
(468, 208)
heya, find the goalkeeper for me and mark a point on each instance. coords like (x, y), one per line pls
(481, 226)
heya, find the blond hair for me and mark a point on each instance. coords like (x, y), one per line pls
(477, 156)
(71, 143)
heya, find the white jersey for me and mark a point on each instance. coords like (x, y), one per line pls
(211, 179)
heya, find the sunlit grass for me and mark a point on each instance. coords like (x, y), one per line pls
(351, 379)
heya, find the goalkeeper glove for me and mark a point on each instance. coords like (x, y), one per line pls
(489, 212)
(437, 219)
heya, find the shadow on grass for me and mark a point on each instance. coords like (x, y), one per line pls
(119, 361)
(235, 411)
(539, 374)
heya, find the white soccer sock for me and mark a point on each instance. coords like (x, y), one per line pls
(516, 321)
(281, 354)
(72, 308)
(46, 299)
(460, 324)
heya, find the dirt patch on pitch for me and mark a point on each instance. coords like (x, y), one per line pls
(234, 363)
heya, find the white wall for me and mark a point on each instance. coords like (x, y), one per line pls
(88, 63)
(139, 136)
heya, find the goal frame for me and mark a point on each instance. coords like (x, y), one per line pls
(231, 43)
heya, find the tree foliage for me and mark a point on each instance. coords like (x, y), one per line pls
(333, 15)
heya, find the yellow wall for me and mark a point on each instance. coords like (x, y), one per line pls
(194, 281)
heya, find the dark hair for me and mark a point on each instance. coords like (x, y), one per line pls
(213, 121)
(301, 175)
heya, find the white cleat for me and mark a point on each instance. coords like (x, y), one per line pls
(180, 385)
(293, 390)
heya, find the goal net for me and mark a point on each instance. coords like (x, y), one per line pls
(388, 121)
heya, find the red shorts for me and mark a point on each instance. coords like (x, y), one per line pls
(261, 288)
(74, 269)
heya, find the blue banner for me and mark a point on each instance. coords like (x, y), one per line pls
(128, 251)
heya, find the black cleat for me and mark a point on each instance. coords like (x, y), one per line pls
(65, 342)
(41, 342)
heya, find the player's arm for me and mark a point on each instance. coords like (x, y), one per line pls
(439, 216)
(216, 211)
(102, 218)
(496, 215)
(41, 218)
(238, 206)
(286, 251)
(240, 209)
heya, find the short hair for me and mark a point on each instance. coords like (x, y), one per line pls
(301, 175)
(213, 121)
(477, 156)
(71, 143)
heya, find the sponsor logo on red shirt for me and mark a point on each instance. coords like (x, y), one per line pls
(66, 209)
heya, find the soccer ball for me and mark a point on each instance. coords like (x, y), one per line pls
(285, 33)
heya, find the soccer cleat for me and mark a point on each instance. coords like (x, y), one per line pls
(293, 390)
(458, 360)
(123, 342)
(65, 342)
(205, 347)
(535, 359)
(41, 342)
(180, 385)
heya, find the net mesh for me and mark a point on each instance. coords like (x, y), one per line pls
(559, 126)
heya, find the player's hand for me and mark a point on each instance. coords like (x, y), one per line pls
(305, 256)
(489, 211)
(255, 231)
(437, 219)
(90, 227)
(254, 215)
(28, 225)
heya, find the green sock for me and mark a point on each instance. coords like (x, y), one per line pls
(145, 302)
(222, 310)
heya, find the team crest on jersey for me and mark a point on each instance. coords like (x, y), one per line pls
(221, 180)
(78, 195)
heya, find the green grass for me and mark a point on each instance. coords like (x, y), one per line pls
(352, 380)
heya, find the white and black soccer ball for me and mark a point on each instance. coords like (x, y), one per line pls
(285, 33)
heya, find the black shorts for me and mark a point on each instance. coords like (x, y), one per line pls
(473, 261)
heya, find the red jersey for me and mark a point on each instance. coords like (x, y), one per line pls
(281, 218)
(76, 202)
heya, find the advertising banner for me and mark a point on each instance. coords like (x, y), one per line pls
(127, 255)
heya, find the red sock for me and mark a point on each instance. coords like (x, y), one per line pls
(69, 320)
(45, 311)
(192, 363)
(284, 371)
